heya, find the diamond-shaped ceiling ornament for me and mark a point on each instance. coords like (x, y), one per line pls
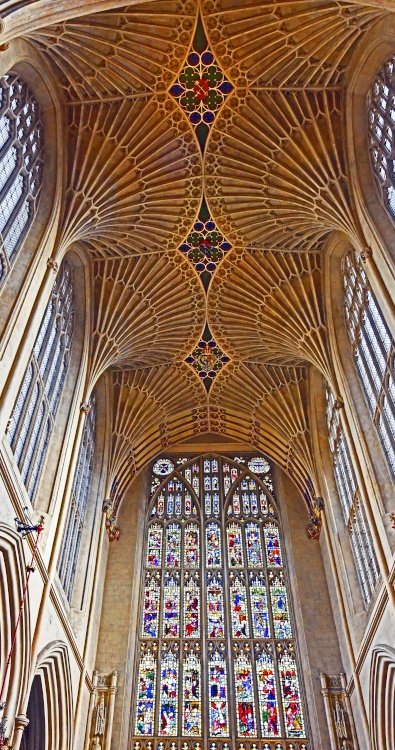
(207, 359)
(205, 245)
(201, 87)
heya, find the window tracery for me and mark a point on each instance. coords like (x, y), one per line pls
(350, 499)
(381, 118)
(216, 658)
(21, 160)
(33, 415)
(373, 348)
(71, 541)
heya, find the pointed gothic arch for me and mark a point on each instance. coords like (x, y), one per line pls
(382, 691)
(12, 573)
(217, 655)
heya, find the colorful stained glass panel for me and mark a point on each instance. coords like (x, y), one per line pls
(171, 606)
(154, 547)
(259, 609)
(235, 546)
(266, 701)
(245, 704)
(254, 545)
(213, 546)
(218, 709)
(191, 606)
(290, 690)
(280, 611)
(151, 606)
(258, 465)
(173, 546)
(168, 694)
(146, 694)
(273, 545)
(162, 467)
(191, 546)
(238, 604)
(191, 708)
(215, 606)
(267, 696)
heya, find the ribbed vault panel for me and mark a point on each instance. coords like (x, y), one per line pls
(148, 311)
(153, 409)
(267, 307)
(126, 51)
(265, 406)
(286, 42)
(274, 170)
(271, 164)
(134, 176)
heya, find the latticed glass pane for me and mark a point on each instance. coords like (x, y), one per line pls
(354, 514)
(21, 159)
(216, 657)
(381, 123)
(33, 415)
(374, 352)
(71, 541)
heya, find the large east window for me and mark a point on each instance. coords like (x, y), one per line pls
(71, 541)
(21, 159)
(350, 498)
(217, 658)
(33, 416)
(373, 348)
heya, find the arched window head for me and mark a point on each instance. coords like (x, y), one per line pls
(33, 416)
(351, 503)
(21, 160)
(373, 348)
(381, 120)
(71, 541)
(217, 656)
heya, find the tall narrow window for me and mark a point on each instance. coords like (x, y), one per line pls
(217, 656)
(21, 158)
(35, 408)
(77, 506)
(374, 352)
(353, 511)
(381, 114)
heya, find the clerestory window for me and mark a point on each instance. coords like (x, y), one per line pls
(71, 541)
(373, 349)
(21, 161)
(33, 416)
(381, 123)
(350, 499)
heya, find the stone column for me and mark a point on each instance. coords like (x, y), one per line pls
(21, 723)
(111, 702)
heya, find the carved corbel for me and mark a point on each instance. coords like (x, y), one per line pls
(113, 531)
(313, 529)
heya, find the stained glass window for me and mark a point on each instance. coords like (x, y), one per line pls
(21, 159)
(217, 653)
(33, 416)
(350, 500)
(381, 122)
(71, 541)
(373, 348)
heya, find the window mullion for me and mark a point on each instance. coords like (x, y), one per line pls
(377, 341)
(30, 429)
(26, 402)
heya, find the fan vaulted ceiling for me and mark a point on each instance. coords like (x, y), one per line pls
(206, 169)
